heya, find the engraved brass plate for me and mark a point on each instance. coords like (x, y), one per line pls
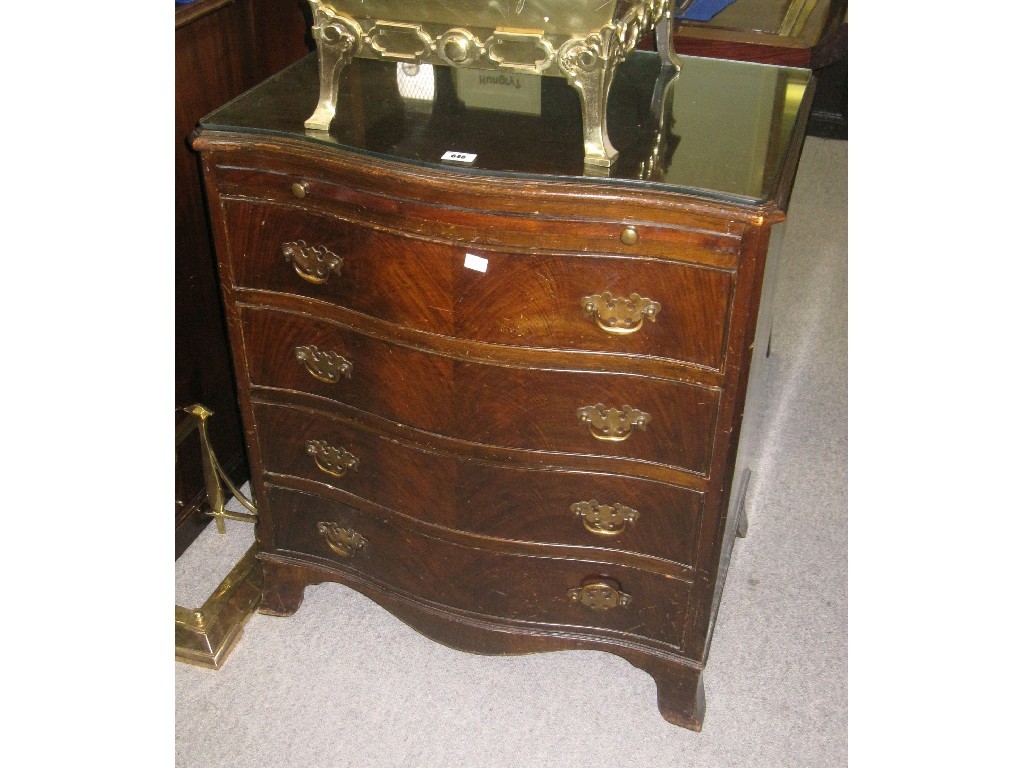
(620, 315)
(343, 541)
(333, 461)
(324, 365)
(520, 51)
(604, 519)
(599, 595)
(612, 423)
(403, 42)
(312, 263)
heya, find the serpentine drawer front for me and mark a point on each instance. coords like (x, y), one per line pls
(506, 401)
(601, 303)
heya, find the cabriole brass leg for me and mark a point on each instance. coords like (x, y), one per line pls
(666, 47)
(593, 87)
(589, 65)
(337, 41)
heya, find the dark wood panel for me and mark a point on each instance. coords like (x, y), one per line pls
(280, 33)
(380, 276)
(222, 48)
(396, 382)
(537, 410)
(213, 62)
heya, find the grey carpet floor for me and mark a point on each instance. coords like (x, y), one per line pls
(343, 683)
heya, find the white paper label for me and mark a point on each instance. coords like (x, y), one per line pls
(476, 262)
(459, 157)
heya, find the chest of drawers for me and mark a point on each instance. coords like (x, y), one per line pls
(505, 401)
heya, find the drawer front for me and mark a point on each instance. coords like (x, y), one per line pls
(546, 410)
(570, 508)
(295, 352)
(553, 592)
(606, 303)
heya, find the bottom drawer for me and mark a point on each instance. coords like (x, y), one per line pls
(555, 592)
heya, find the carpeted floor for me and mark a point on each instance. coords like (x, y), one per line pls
(343, 683)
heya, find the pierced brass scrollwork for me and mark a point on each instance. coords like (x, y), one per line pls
(343, 541)
(399, 40)
(324, 365)
(619, 315)
(312, 263)
(612, 423)
(604, 519)
(599, 595)
(333, 461)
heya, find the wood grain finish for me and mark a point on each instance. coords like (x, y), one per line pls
(457, 412)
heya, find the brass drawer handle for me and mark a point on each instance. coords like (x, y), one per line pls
(611, 423)
(333, 461)
(618, 315)
(599, 595)
(312, 263)
(324, 365)
(343, 541)
(603, 519)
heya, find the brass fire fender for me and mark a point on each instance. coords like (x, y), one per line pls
(206, 636)
(582, 41)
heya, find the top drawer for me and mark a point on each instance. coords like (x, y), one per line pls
(598, 303)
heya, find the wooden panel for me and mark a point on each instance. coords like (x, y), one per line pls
(537, 410)
(213, 63)
(396, 382)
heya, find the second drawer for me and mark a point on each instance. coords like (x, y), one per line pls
(644, 419)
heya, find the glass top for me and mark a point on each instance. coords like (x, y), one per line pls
(720, 129)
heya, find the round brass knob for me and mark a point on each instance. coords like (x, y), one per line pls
(457, 49)
(629, 236)
(300, 188)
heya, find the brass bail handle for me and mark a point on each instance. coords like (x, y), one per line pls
(313, 263)
(620, 315)
(342, 541)
(599, 594)
(612, 424)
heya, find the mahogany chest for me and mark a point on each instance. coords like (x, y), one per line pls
(502, 398)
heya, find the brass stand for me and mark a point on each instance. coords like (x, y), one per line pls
(485, 39)
(206, 636)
